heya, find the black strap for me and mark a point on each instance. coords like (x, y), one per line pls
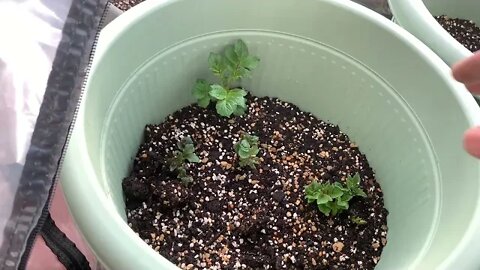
(65, 250)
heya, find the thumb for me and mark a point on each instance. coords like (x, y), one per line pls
(471, 141)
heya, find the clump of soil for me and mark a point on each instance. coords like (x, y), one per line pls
(464, 31)
(126, 4)
(243, 218)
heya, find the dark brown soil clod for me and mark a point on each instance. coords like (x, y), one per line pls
(126, 4)
(240, 218)
(464, 31)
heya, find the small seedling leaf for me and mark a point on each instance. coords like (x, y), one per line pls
(360, 193)
(193, 158)
(334, 207)
(358, 220)
(239, 110)
(241, 49)
(353, 182)
(237, 96)
(346, 197)
(188, 149)
(204, 102)
(342, 204)
(231, 56)
(254, 151)
(311, 198)
(252, 139)
(250, 62)
(244, 145)
(184, 177)
(324, 209)
(323, 198)
(217, 64)
(218, 92)
(313, 187)
(247, 150)
(201, 93)
(251, 162)
(225, 108)
(336, 192)
(239, 62)
(244, 154)
(172, 167)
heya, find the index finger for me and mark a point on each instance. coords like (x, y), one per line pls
(468, 71)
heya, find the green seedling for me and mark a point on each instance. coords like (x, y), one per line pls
(332, 199)
(229, 67)
(358, 220)
(185, 152)
(183, 176)
(247, 150)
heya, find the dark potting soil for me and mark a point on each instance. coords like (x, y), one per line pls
(126, 4)
(240, 218)
(464, 31)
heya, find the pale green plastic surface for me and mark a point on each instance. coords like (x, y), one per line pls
(387, 90)
(417, 17)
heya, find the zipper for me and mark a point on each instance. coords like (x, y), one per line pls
(65, 248)
(80, 10)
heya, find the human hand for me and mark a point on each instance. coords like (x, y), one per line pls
(468, 72)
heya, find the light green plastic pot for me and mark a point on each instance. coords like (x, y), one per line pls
(342, 62)
(417, 17)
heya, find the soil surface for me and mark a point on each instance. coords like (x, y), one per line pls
(241, 218)
(125, 4)
(464, 31)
